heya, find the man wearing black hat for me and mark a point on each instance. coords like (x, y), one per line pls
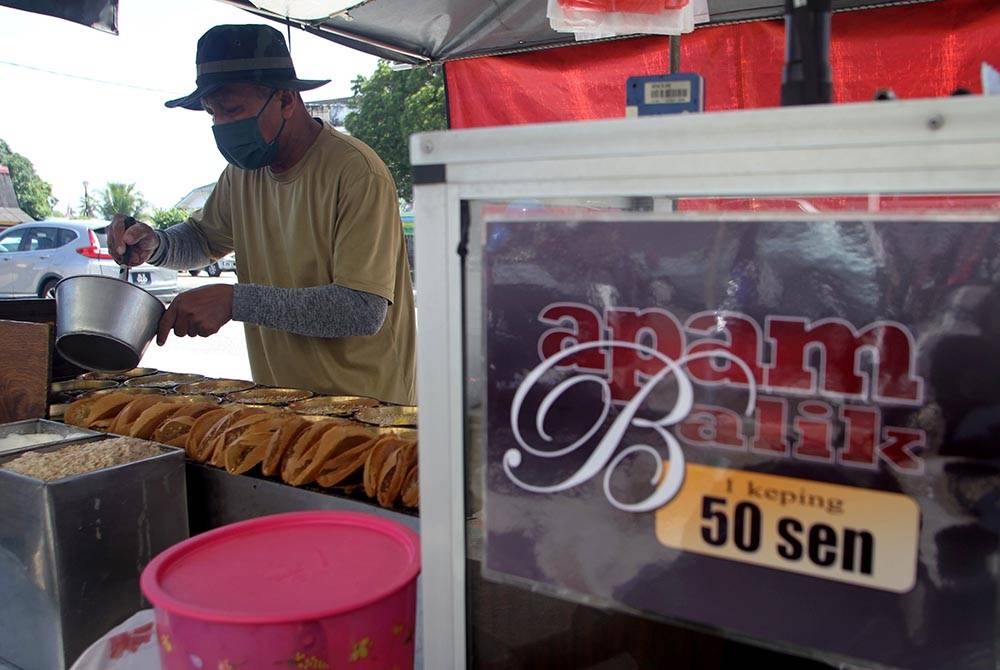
(324, 282)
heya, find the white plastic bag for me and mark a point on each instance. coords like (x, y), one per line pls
(591, 22)
(131, 645)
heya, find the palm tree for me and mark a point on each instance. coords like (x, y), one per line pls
(88, 203)
(121, 199)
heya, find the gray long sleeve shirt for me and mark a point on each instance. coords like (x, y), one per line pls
(317, 311)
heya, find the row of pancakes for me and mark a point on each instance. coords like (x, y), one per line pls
(328, 451)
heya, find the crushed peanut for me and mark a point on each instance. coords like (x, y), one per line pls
(77, 459)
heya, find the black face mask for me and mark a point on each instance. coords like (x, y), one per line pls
(242, 143)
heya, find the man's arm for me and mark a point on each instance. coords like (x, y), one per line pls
(318, 311)
(181, 247)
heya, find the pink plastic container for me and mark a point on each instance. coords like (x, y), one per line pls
(317, 590)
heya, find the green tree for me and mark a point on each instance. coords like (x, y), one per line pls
(121, 199)
(164, 218)
(389, 106)
(33, 194)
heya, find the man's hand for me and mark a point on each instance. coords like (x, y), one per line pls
(198, 312)
(131, 242)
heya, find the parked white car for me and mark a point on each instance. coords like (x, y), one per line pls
(35, 256)
(216, 268)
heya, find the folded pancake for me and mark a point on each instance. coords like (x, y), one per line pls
(151, 418)
(105, 409)
(237, 413)
(323, 440)
(399, 431)
(342, 469)
(128, 414)
(210, 440)
(281, 442)
(78, 411)
(380, 451)
(228, 436)
(390, 479)
(246, 452)
(249, 449)
(411, 487)
(194, 445)
(341, 446)
(174, 431)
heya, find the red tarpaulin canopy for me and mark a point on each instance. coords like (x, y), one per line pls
(922, 50)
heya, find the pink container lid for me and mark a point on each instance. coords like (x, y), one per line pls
(284, 567)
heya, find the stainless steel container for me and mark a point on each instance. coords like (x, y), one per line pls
(103, 323)
(61, 433)
(72, 550)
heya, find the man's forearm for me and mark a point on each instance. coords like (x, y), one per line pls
(181, 248)
(318, 311)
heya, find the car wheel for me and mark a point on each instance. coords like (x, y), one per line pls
(48, 289)
(213, 270)
(194, 273)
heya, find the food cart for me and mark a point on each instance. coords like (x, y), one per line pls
(630, 246)
(576, 261)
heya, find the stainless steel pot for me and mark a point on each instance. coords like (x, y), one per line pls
(103, 323)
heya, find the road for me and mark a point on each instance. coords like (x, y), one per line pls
(223, 355)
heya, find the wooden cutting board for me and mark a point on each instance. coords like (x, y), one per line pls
(24, 372)
(40, 310)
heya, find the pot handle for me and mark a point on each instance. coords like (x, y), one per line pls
(123, 267)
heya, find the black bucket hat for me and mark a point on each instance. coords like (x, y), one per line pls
(247, 54)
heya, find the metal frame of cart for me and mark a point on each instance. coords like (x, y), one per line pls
(934, 146)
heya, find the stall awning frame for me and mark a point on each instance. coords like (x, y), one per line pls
(434, 31)
(419, 32)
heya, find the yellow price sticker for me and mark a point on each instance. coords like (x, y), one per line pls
(841, 533)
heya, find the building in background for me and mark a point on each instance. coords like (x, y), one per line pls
(196, 198)
(334, 111)
(10, 209)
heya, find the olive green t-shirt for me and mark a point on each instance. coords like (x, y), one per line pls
(333, 218)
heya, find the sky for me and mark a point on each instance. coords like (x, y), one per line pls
(85, 105)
